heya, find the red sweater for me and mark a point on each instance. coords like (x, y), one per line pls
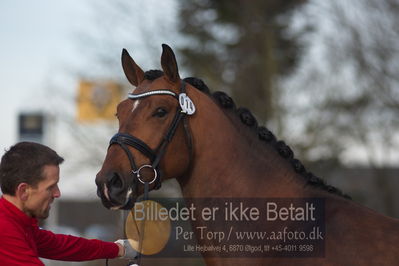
(22, 242)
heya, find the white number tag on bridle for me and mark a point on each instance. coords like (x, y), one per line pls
(187, 106)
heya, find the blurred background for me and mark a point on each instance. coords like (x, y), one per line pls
(322, 75)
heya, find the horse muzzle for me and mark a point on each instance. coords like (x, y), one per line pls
(114, 192)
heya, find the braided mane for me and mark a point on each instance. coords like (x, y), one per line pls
(264, 134)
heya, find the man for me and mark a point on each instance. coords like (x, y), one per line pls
(29, 175)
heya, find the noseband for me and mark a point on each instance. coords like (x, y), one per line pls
(186, 107)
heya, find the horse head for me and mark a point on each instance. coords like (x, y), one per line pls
(149, 146)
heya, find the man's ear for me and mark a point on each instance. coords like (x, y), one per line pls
(22, 191)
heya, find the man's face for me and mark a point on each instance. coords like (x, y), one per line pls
(41, 196)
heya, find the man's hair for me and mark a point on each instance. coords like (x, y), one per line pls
(24, 163)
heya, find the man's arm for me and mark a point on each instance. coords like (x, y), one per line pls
(15, 248)
(71, 248)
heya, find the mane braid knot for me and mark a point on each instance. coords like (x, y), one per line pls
(224, 100)
(246, 117)
(198, 83)
(153, 74)
(298, 166)
(266, 135)
(284, 150)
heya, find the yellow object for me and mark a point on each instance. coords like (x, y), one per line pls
(97, 101)
(147, 233)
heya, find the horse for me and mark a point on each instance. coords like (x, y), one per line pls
(175, 128)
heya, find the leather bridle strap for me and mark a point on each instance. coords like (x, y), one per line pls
(121, 139)
(168, 137)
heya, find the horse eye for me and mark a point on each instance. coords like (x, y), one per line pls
(160, 112)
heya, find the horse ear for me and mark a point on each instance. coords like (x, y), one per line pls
(169, 64)
(133, 72)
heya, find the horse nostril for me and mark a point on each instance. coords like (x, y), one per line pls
(115, 181)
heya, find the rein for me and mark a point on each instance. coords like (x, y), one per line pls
(124, 140)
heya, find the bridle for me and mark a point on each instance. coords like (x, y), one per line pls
(124, 140)
(186, 107)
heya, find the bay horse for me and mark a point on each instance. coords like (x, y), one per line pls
(174, 128)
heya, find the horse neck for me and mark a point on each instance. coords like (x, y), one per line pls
(229, 164)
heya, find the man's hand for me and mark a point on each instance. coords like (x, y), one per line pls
(125, 249)
(121, 251)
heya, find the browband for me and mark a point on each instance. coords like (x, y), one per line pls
(149, 93)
